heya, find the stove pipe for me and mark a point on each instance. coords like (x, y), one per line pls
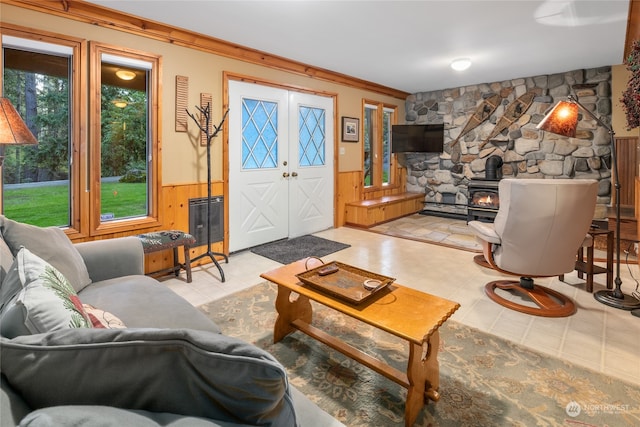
(493, 168)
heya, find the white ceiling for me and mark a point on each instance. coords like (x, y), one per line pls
(408, 45)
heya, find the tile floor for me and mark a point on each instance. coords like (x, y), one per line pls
(597, 336)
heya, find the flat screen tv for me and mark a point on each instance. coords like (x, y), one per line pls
(417, 138)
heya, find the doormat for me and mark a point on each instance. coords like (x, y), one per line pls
(290, 250)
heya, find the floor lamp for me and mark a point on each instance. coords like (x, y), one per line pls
(563, 120)
(205, 128)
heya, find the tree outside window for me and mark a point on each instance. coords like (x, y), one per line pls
(36, 178)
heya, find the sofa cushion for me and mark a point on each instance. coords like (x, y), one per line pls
(106, 416)
(46, 301)
(143, 302)
(180, 371)
(13, 408)
(50, 244)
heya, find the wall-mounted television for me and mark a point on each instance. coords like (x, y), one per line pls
(417, 138)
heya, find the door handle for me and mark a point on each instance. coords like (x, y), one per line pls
(294, 174)
(285, 174)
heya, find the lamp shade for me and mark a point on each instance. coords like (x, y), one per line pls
(13, 130)
(561, 120)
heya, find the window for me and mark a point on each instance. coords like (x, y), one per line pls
(124, 149)
(39, 181)
(378, 159)
(89, 180)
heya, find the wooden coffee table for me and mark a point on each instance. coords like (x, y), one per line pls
(403, 312)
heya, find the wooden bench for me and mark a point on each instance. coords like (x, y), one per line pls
(169, 239)
(368, 213)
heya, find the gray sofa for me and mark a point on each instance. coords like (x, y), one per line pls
(170, 365)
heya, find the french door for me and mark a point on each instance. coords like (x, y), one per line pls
(280, 164)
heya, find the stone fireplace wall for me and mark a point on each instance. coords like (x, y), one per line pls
(526, 151)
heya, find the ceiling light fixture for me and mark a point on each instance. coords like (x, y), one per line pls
(461, 64)
(120, 103)
(126, 74)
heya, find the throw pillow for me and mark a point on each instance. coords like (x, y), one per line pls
(47, 302)
(102, 319)
(51, 244)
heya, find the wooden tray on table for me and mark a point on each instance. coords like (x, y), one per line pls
(351, 284)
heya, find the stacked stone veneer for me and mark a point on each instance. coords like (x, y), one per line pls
(526, 151)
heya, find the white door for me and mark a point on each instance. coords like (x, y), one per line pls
(310, 163)
(280, 164)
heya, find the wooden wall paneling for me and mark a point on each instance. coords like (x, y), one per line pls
(626, 155)
(349, 190)
(164, 259)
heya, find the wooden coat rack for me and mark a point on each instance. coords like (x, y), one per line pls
(205, 128)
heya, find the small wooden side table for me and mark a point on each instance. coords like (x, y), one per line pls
(586, 266)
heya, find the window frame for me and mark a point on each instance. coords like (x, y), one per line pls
(77, 167)
(85, 108)
(98, 227)
(377, 142)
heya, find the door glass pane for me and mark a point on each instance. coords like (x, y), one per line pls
(311, 136)
(36, 178)
(124, 142)
(259, 134)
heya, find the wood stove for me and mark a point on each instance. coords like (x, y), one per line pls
(484, 199)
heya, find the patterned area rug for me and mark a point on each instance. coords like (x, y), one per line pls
(484, 380)
(290, 250)
(453, 233)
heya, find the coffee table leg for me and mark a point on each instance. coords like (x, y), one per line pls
(288, 310)
(424, 377)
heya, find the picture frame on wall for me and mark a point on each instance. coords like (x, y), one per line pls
(350, 129)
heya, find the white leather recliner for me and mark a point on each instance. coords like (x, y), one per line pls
(539, 227)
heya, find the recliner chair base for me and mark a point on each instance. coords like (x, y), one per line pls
(549, 302)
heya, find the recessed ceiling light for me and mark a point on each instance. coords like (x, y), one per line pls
(461, 64)
(126, 74)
